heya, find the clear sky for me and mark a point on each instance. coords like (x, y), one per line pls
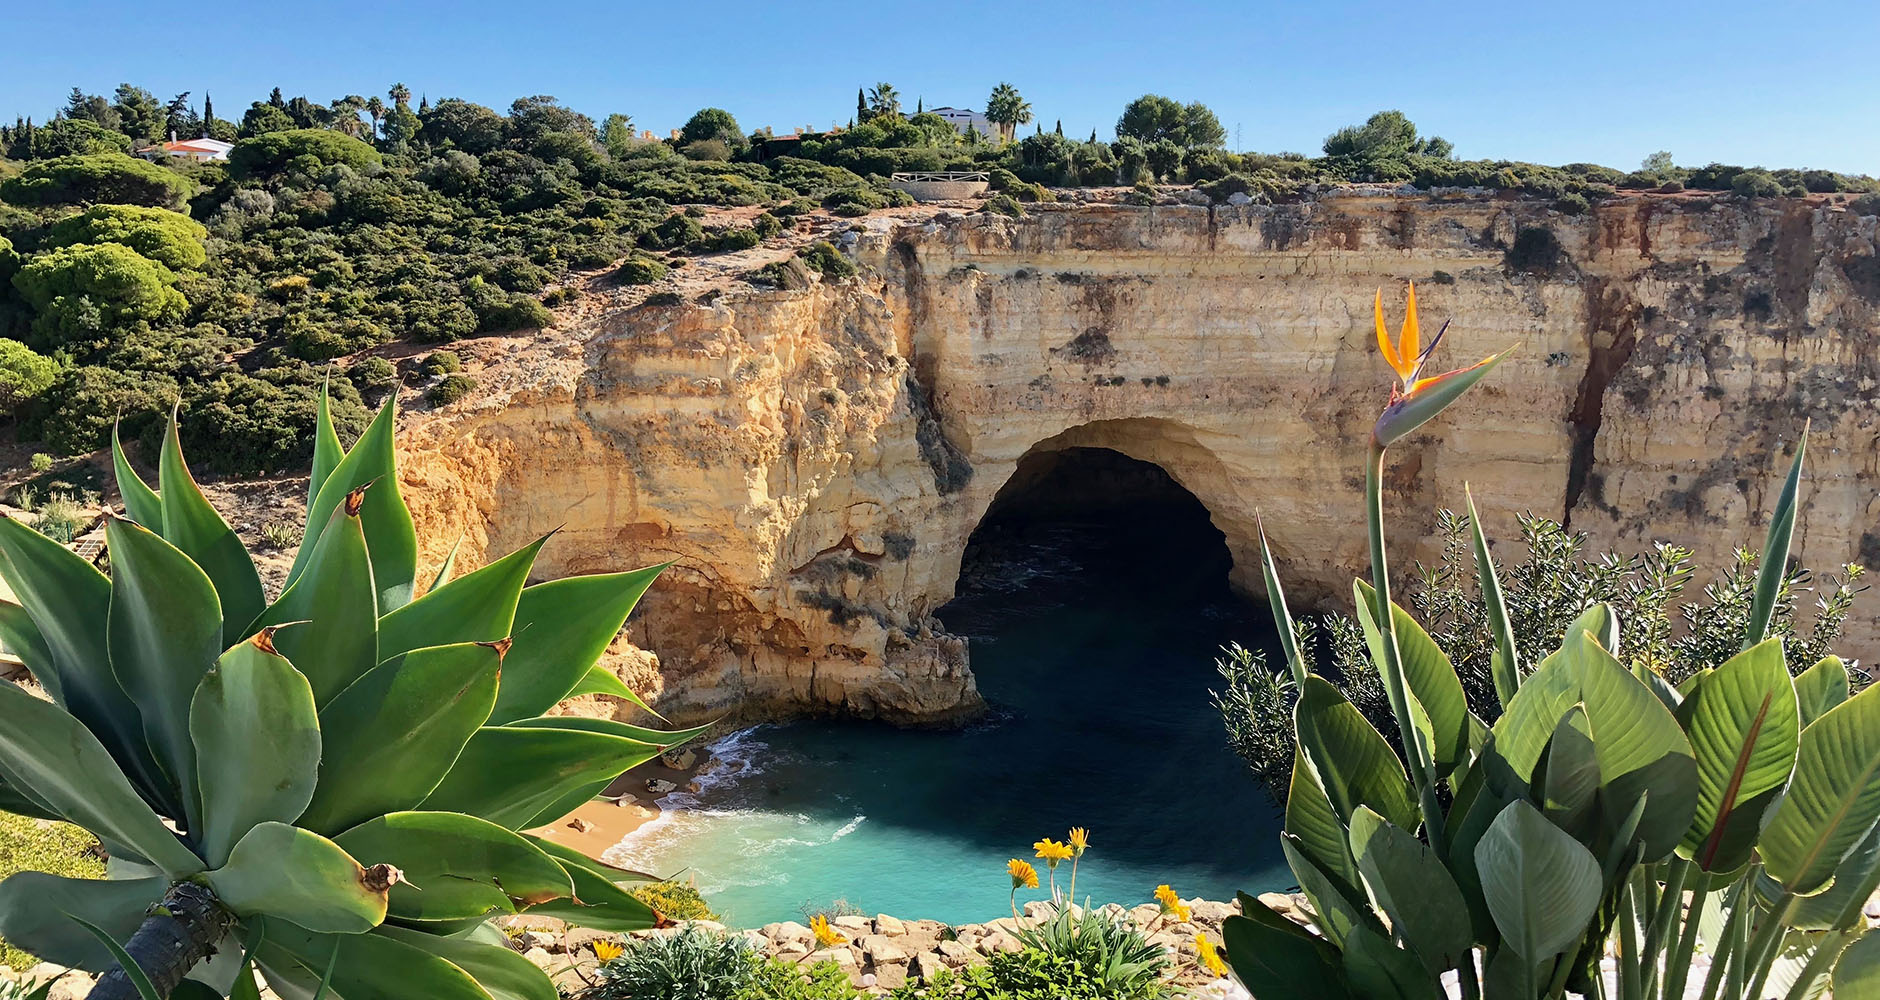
(1775, 84)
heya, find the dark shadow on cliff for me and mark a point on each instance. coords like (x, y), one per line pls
(1094, 596)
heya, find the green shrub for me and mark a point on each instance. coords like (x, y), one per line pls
(782, 979)
(1110, 953)
(85, 294)
(515, 312)
(640, 269)
(452, 389)
(766, 225)
(23, 375)
(372, 374)
(1536, 251)
(790, 274)
(95, 179)
(676, 233)
(440, 363)
(1005, 204)
(730, 240)
(59, 518)
(34, 845)
(74, 415)
(693, 964)
(297, 149)
(661, 299)
(169, 238)
(1756, 183)
(677, 900)
(823, 258)
(41, 462)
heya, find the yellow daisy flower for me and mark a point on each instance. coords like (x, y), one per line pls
(1171, 904)
(607, 951)
(1080, 840)
(1024, 876)
(1209, 958)
(1052, 852)
(826, 936)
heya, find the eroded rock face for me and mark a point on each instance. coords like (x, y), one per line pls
(813, 462)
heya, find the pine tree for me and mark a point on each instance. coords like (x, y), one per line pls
(424, 104)
(1060, 126)
(277, 100)
(30, 141)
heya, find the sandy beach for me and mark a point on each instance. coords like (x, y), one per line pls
(626, 806)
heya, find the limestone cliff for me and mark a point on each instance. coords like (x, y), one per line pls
(813, 462)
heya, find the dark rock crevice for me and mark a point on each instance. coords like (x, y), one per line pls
(1612, 321)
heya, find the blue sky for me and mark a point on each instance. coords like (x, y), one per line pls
(1750, 83)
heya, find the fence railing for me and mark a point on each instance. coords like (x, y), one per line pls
(942, 175)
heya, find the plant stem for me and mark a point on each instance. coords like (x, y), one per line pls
(1768, 939)
(1422, 769)
(1730, 942)
(1630, 973)
(180, 932)
(1466, 975)
(1678, 962)
(1655, 934)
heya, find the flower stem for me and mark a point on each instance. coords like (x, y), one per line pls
(1422, 769)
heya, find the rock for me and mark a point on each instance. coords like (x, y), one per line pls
(1144, 913)
(890, 926)
(580, 825)
(706, 925)
(1038, 909)
(659, 786)
(539, 939)
(854, 925)
(578, 938)
(73, 985)
(928, 965)
(680, 760)
(788, 930)
(839, 954)
(790, 949)
(890, 976)
(540, 957)
(1212, 912)
(1240, 198)
(955, 952)
(999, 941)
(880, 948)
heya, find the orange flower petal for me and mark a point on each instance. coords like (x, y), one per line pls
(1411, 340)
(1384, 345)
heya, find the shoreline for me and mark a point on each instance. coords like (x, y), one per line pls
(624, 808)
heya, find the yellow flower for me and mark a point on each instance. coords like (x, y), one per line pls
(1415, 400)
(607, 951)
(1210, 958)
(1080, 840)
(1052, 852)
(1171, 904)
(1024, 876)
(826, 936)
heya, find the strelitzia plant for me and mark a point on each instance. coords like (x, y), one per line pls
(332, 787)
(1605, 811)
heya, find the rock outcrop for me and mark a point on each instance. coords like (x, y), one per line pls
(813, 462)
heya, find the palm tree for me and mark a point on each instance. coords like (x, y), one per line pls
(883, 100)
(1007, 110)
(400, 94)
(375, 110)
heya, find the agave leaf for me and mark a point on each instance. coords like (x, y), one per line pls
(283, 871)
(562, 627)
(1505, 664)
(1335, 914)
(34, 908)
(1413, 888)
(337, 597)
(1821, 687)
(1430, 675)
(1744, 727)
(132, 971)
(364, 966)
(1379, 970)
(1351, 760)
(1833, 798)
(22, 802)
(597, 902)
(444, 568)
(191, 524)
(476, 607)
(19, 636)
(499, 970)
(390, 536)
(326, 449)
(393, 734)
(1275, 958)
(1542, 886)
(66, 598)
(257, 738)
(141, 502)
(509, 774)
(568, 856)
(63, 764)
(456, 866)
(164, 631)
(576, 796)
(600, 680)
(1282, 616)
(1775, 553)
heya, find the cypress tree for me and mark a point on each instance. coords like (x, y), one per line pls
(920, 105)
(277, 100)
(29, 142)
(1060, 126)
(1093, 135)
(861, 108)
(208, 112)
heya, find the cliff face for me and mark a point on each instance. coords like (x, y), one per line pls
(813, 462)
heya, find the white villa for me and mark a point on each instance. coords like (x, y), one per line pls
(188, 149)
(963, 119)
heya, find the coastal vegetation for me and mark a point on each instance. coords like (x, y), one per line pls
(336, 229)
(1516, 854)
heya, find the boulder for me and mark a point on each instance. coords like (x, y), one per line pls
(840, 954)
(927, 965)
(584, 937)
(74, 985)
(680, 760)
(890, 926)
(539, 939)
(1212, 912)
(1240, 198)
(788, 930)
(659, 786)
(887, 977)
(855, 926)
(879, 948)
(540, 958)
(999, 941)
(955, 952)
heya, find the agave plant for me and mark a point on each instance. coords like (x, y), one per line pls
(1605, 812)
(331, 788)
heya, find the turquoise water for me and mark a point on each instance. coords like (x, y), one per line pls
(1093, 642)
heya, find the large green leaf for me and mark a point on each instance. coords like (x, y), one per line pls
(1838, 906)
(1351, 760)
(19, 636)
(576, 796)
(1821, 687)
(1743, 726)
(1276, 959)
(1570, 789)
(562, 627)
(1857, 972)
(192, 524)
(365, 966)
(598, 901)
(1413, 888)
(48, 752)
(392, 736)
(456, 866)
(1598, 621)
(1773, 573)
(257, 738)
(141, 503)
(164, 632)
(1833, 798)
(336, 597)
(1282, 615)
(600, 680)
(34, 908)
(1504, 666)
(326, 449)
(1379, 970)
(509, 774)
(1318, 831)
(475, 607)
(67, 598)
(1542, 886)
(390, 535)
(499, 970)
(1428, 672)
(297, 875)
(1335, 913)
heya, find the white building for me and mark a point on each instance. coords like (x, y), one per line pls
(188, 149)
(963, 119)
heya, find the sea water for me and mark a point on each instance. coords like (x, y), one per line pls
(1093, 644)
